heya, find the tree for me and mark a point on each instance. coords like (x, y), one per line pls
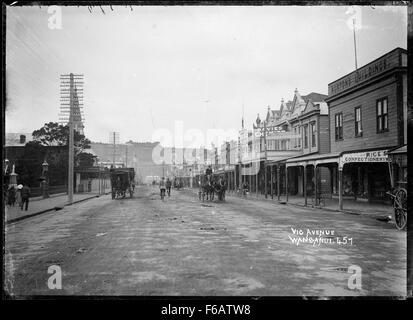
(54, 134)
(86, 159)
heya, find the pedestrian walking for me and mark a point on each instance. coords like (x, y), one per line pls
(19, 195)
(245, 188)
(162, 187)
(168, 187)
(11, 196)
(25, 193)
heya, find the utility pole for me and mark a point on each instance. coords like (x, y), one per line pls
(355, 45)
(265, 158)
(126, 160)
(71, 94)
(114, 138)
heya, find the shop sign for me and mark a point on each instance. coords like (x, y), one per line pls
(269, 131)
(370, 156)
(363, 74)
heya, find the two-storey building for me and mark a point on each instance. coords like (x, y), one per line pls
(368, 117)
(310, 124)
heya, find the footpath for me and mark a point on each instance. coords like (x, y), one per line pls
(38, 205)
(376, 211)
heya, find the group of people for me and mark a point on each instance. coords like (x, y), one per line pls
(17, 195)
(209, 185)
(165, 186)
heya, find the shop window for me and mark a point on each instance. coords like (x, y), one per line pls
(357, 122)
(313, 135)
(339, 126)
(382, 116)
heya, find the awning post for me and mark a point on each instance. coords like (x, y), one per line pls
(278, 182)
(340, 188)
(305, 185)
(286, 182)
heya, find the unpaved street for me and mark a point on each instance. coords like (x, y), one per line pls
(143, 246)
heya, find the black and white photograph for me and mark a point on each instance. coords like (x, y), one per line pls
(205, 150)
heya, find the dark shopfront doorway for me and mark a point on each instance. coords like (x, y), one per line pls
(297, 183)
(366, 181)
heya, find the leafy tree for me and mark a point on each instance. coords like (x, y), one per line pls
(86, 159)
(54, 134)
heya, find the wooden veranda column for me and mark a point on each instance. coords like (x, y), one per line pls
(340, 188)
(256, 179)
(305, 185)
(316, 191)
(278, 183)
(265, 180)
(286, 183)
(250, 179)
(271, 181)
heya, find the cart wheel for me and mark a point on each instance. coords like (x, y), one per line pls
(400, 209)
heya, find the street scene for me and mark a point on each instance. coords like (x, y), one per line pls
(205, 151)
(143, 246)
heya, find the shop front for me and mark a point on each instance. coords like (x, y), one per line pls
(311, 178)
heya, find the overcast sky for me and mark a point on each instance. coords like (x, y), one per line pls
(147, 68)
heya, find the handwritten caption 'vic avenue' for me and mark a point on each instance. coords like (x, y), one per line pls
(316, 237)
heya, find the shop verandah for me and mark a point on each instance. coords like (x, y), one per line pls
(323, 181)
(355, 182)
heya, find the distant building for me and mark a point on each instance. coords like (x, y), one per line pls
(18, 139)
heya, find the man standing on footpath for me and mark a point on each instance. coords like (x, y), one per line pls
(25, 194)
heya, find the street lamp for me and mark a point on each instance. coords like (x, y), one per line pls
(6, 171)
(45, 179)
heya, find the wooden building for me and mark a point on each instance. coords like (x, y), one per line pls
(368, 117)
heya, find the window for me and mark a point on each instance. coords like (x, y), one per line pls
(313, 135)
(299, 137)
(295, 139)
(382, 118)
(306, 136)
(357, 122)
(339, 126)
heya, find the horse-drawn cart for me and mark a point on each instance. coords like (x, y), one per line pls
(122, 181)
(397, 159)
(211, 185)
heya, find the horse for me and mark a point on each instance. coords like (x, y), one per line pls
(218, 189)
(207, 189)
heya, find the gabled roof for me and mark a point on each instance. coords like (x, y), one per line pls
(276, 113)
(315, 97)
(298, 104)
(285, 107)
(310, 106)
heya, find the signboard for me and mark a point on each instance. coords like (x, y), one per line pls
(370, 156)
(270, 130)
(365, 73)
